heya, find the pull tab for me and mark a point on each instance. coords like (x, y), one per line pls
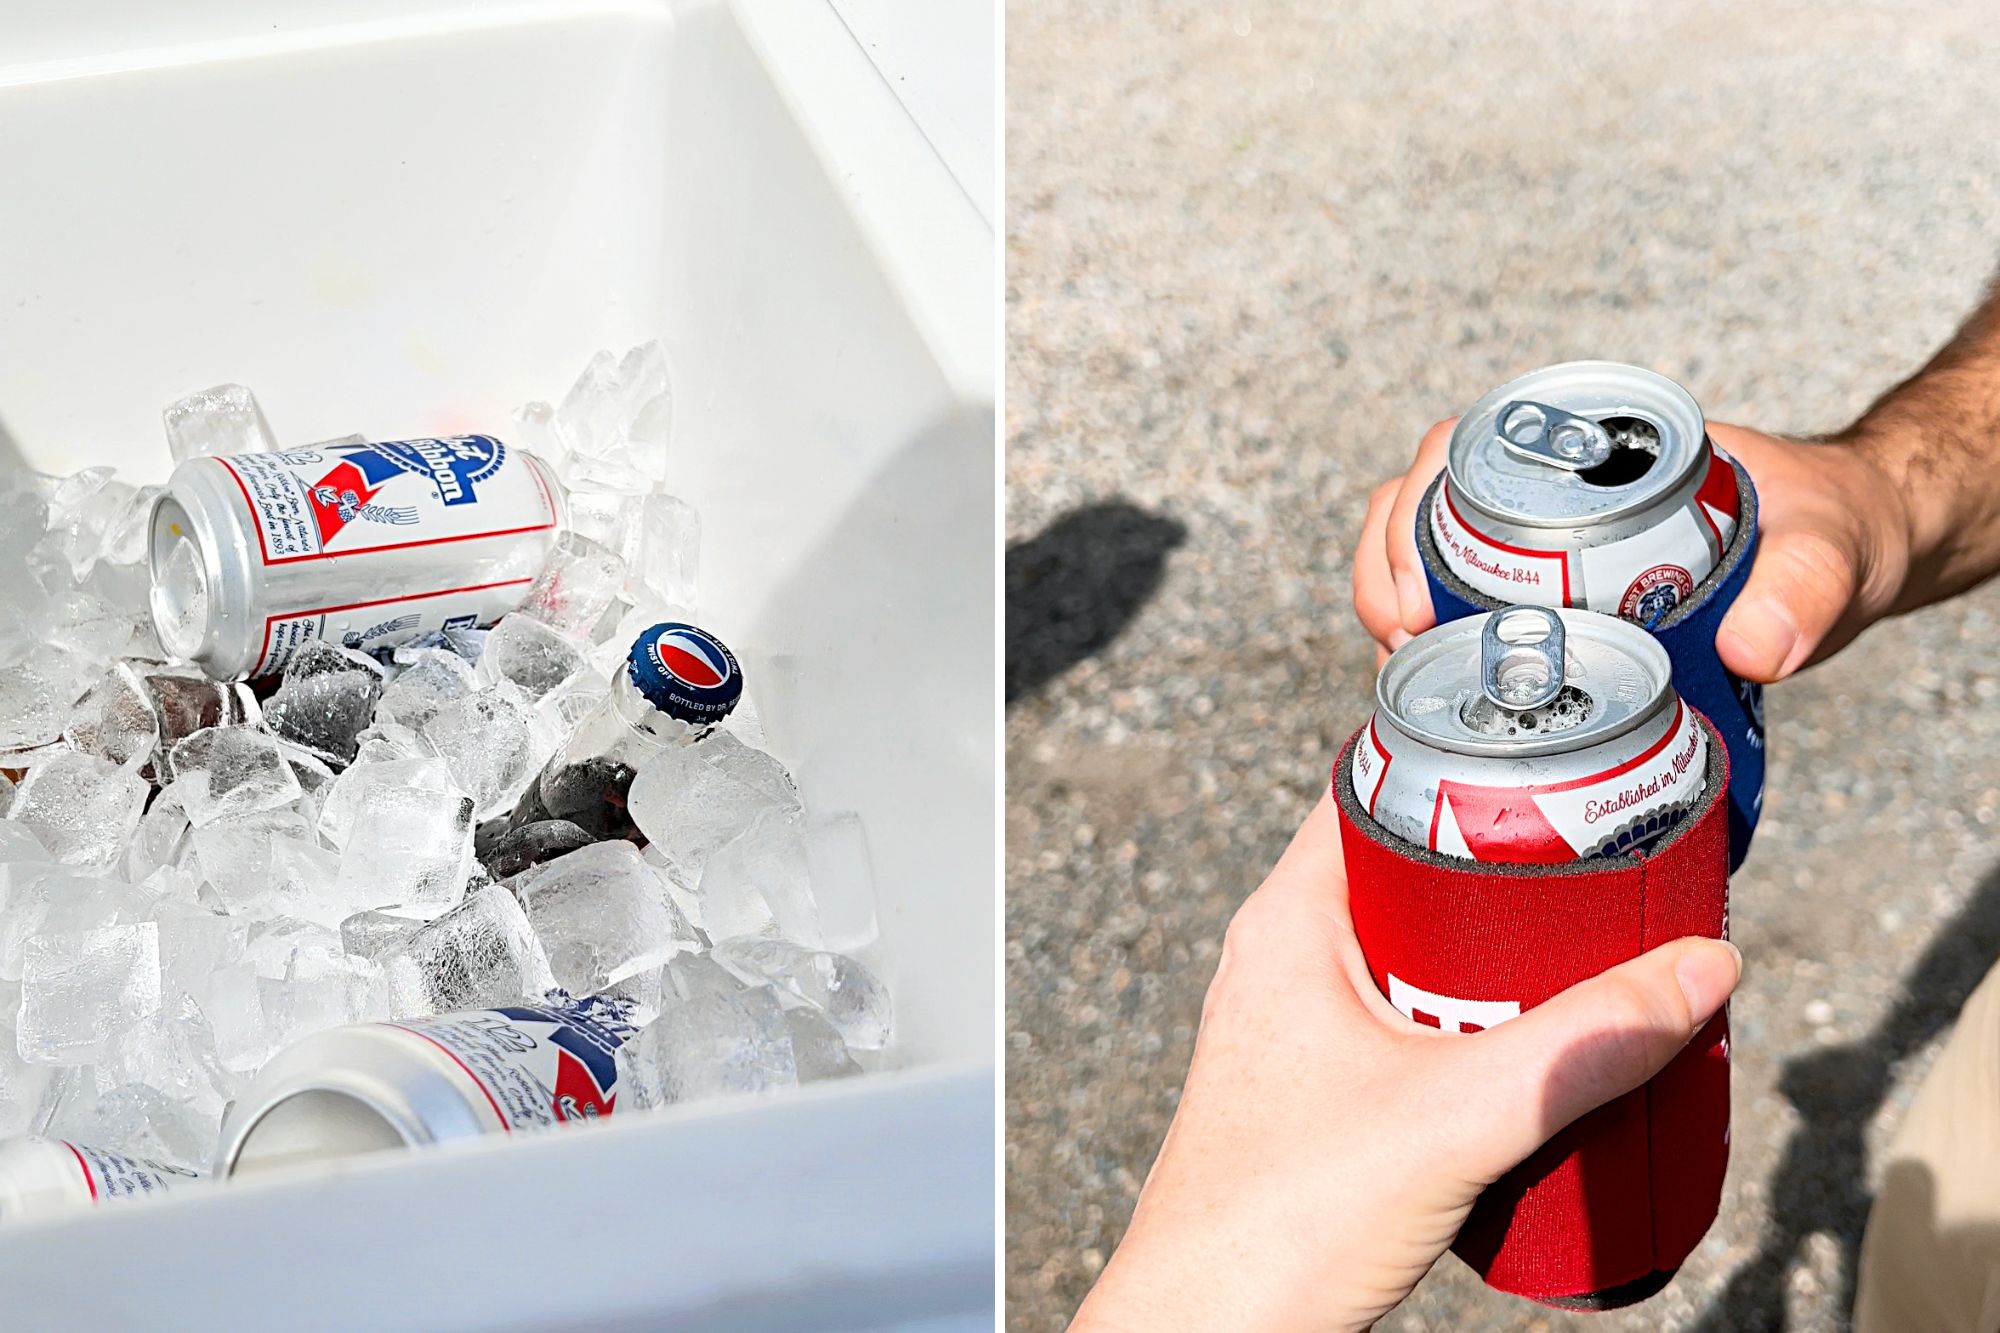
(1520, 669)
(1551, 436)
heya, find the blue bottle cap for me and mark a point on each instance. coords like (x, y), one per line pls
(686, 673)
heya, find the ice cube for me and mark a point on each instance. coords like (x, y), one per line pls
(36, 693)
(343, 798)
(161, 835)
(240, 854)
(115, 719)
(712, 1045)
(315, 780)
(6, 794)
(130, 528)
(853, 999)
(323, 657)
(49, 898)
(578, 583)
(80, 537)
(843, 881)
(80, 989)
(323, 714)
(372, 934)
(564, 707)
(236, 1008)
(409, 848)
(509, 851)
(430, 679)
(602, 915)
(187, 701)
(231, 771)
(308, 1001)
(759, 883)
(480, 954)
(24, 518)
(608, 517)
(220, 421)
(599, 412)
(691, 799)
(20, 851)
(493, 743)
(817, 1049)
(81, 808)
(527, 652)
(173, 1053)
(91, 626)
(22, 1085)
(195, 944)
(670, 548)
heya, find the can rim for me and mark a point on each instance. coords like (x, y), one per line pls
(1664, 401)
(1580, 626)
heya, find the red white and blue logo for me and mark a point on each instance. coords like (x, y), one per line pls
(686, 672)
(693, 657)
(452, 467)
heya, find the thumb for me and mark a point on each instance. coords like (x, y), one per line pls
(1798, 590)
(1595, 1041)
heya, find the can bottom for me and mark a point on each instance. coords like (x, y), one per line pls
(1612, 1298)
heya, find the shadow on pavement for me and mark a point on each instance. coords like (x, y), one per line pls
(1820, 1184)
(1072, 587)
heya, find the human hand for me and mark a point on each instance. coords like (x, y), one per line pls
(1326, 1150)
(1832, 558)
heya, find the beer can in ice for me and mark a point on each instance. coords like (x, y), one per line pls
(40, 1177)
(368, 545)
(370, 1087)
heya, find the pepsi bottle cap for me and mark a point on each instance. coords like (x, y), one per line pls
(686, 673)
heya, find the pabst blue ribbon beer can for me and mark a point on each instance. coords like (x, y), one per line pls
(39, 1177)
(375, 1086)
(1530, 735)
(1588, 484)
(368, 545)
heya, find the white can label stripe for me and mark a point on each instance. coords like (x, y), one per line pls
(1512, 573)
(347, 498)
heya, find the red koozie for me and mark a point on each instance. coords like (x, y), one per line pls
(1606, 1211)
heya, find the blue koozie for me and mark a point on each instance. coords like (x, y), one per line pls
(1734, 706)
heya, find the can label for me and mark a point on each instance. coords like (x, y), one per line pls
(1626, 808)
(343, 499)
(1511, 573)
(113, 1175)
(537, 1064)
(385, 623)
(1370, 766)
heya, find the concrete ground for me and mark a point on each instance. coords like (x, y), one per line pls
(1251, 255)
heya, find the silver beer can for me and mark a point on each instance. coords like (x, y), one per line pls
(370, 1087)
(366, 544)
(1587, 484)
(1530, 735)
(40, 1177)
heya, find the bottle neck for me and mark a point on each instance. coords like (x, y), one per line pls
(638, 714)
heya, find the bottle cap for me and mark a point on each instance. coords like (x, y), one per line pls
(686, 673)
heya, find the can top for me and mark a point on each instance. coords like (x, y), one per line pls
(1451, 688)
(1579, 442)
(685, 672)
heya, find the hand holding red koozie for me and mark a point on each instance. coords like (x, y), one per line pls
(1571, 824)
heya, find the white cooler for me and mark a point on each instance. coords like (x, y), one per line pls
(403, 219)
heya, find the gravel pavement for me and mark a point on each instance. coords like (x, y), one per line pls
(1252, 253)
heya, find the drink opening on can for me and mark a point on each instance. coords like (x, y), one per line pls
(1586, 484)
(1530, 735)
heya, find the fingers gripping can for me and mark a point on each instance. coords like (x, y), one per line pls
(1587, 484)
(369, 545)
(376, 1086)
(1530, 735)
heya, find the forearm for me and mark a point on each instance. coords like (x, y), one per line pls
(1936, 439)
